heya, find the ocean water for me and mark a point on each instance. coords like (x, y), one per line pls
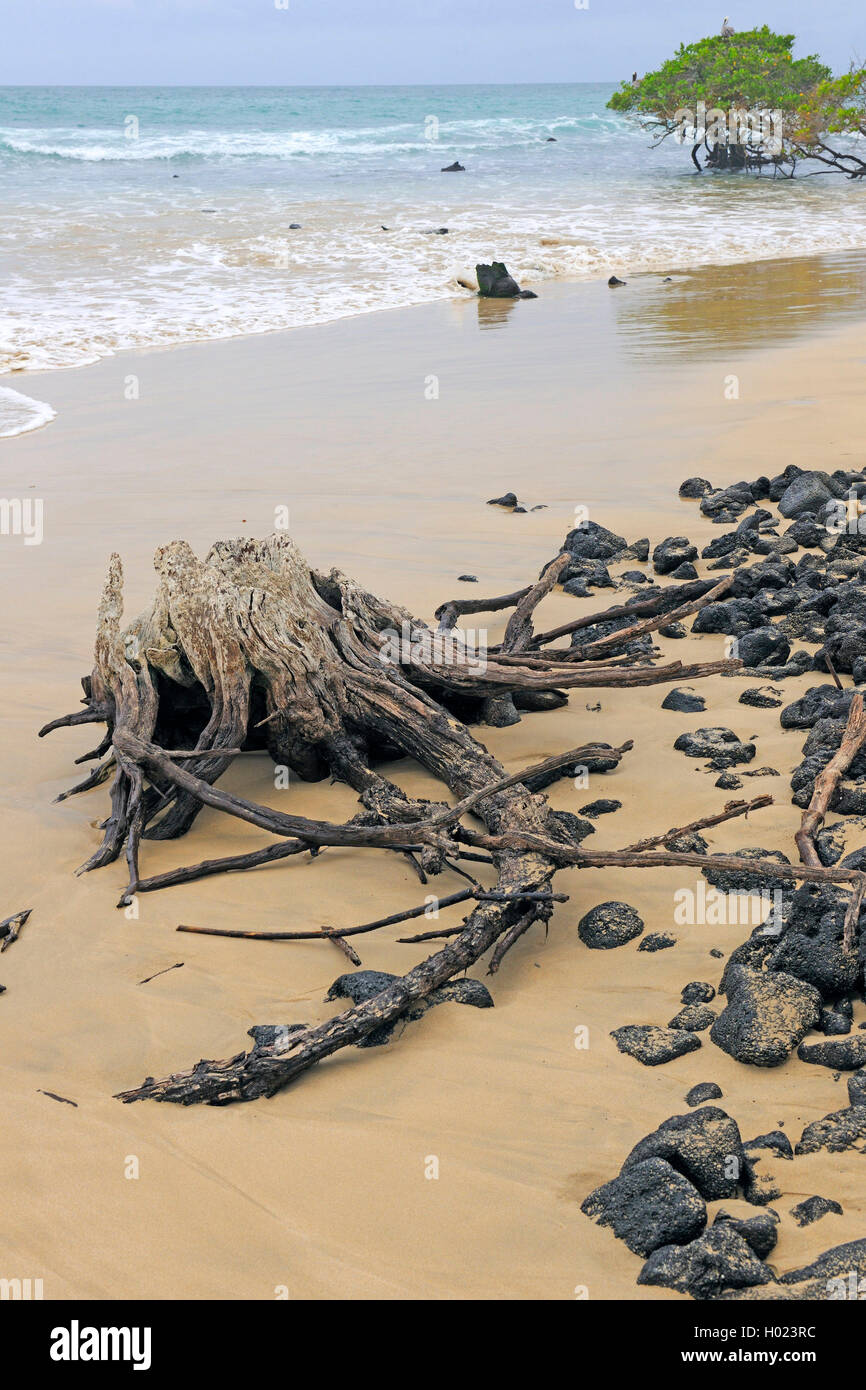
(135, 217)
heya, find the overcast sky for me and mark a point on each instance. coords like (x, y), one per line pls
(124, 42)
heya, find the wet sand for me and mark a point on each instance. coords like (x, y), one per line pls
(584, 398)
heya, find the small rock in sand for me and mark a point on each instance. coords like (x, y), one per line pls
(608, 925)
(654, 1046)
(813, 1208)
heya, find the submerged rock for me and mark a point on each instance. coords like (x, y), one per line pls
(649, 1206)
(494, 282)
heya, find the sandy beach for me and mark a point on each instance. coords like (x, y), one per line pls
(584, 398)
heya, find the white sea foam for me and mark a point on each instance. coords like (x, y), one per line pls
(20, 413)
(105, 250)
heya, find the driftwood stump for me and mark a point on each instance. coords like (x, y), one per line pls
(250, 649)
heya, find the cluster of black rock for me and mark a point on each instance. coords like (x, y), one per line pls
(793, 976)
(773, 601)
(658, 1205)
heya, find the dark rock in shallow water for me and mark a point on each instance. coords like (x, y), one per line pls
(720, 746)
(508, 499)
(362, 985)
(657, 941)
(694, 1018)
(705, 1090)
(761, 697)
(600, 808)
(704, 1145)
(649, 1206)
(721, 1259)
(698, 992)
(455, 168)
(467, 579)
(613, 282)
(670, 553)
(840, 1054)
(766, 1016)
(777, 1142)
(673, 630)
(654, 1046)
(608, 925)
(836, 1132)
(759, 1232)
(684, 702)
(684, 571)
(813, 1208)
(494, 282)
(695, 487)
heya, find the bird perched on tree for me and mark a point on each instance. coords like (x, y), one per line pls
(728, 30)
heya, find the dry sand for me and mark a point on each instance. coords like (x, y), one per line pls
(583, 398)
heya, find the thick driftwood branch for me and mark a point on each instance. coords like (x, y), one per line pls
(853, 739)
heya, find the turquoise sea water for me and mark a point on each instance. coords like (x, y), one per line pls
(146, 216)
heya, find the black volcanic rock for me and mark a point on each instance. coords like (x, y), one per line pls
(649, 1206)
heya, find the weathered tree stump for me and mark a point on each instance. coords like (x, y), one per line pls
(250, 649)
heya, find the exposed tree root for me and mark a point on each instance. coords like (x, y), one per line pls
(251, 650)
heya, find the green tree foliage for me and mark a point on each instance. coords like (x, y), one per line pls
(816, 116)
(755, 69)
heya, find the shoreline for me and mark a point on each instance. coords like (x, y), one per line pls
(582, 398)
(846, 260)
